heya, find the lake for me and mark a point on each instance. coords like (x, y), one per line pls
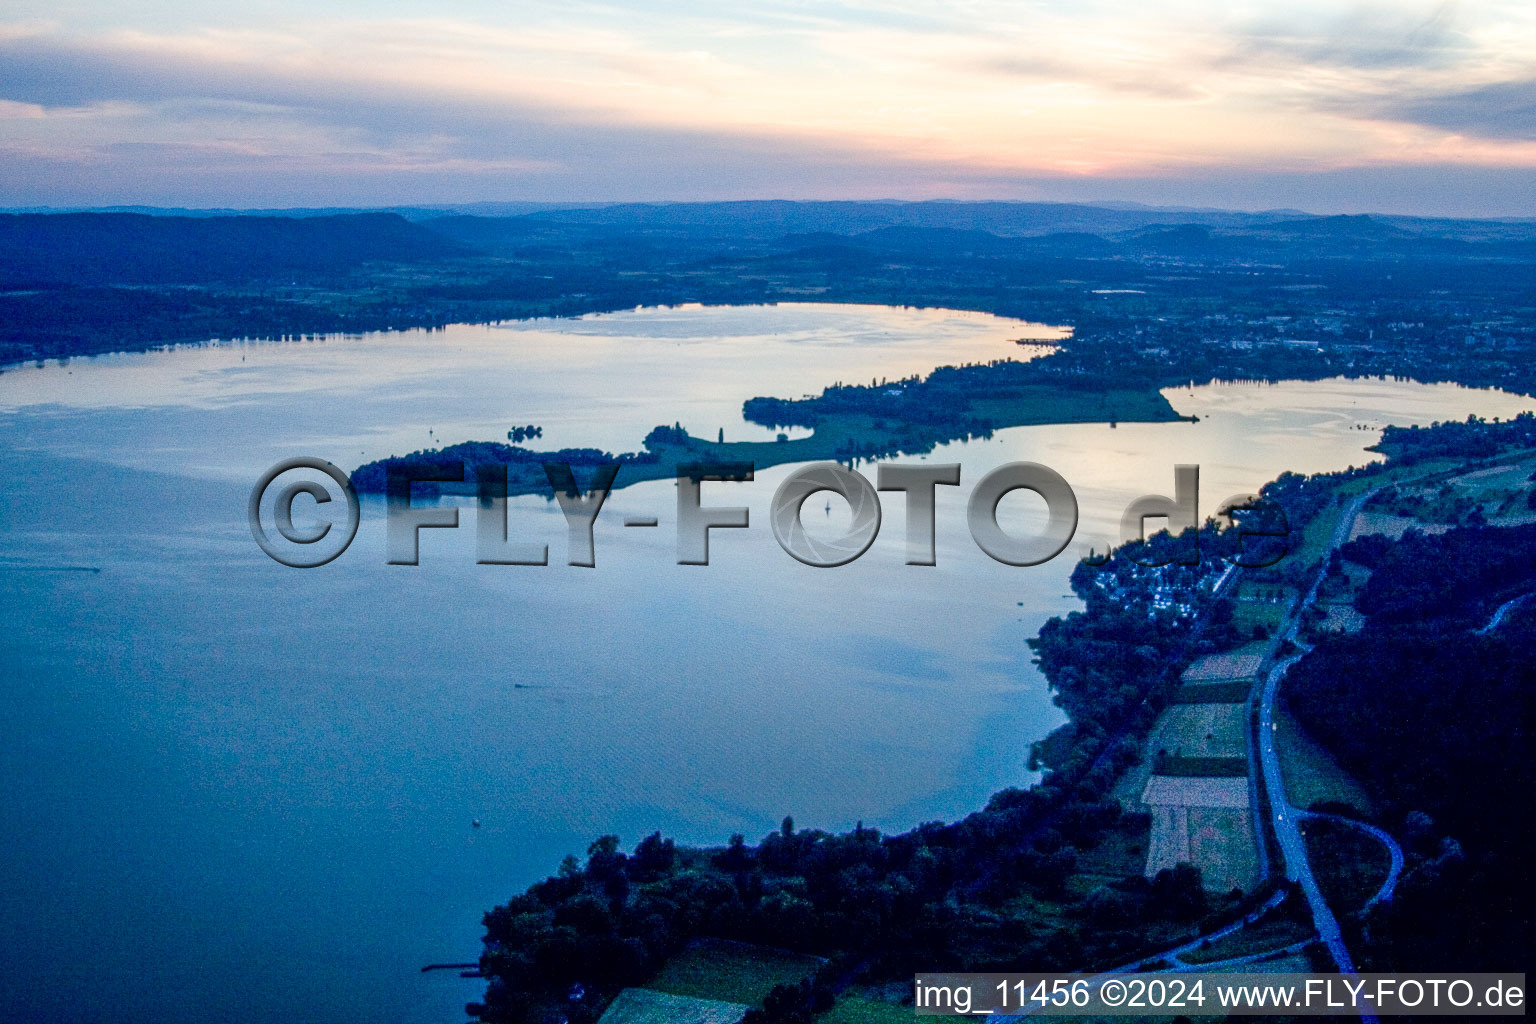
(241, 791)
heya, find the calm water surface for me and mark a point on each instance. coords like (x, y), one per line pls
(240, 791)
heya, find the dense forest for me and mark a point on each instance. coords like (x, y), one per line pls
(1476, 438)
(1434, 718)
(435, 469)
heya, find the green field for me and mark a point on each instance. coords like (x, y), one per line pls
(1211, 693)
(854, 1010)
(1276, 932)
(1350, 864)
(1200, 767)
(731, 971)
(1311, 773)
(1247, 615)
(644, 1006)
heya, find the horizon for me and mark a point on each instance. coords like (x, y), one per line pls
(534, 206)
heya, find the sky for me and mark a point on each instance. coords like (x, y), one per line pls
(1398, 107)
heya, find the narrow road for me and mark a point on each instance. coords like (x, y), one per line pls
(1255, 805)
(1498, 616)
(1286, 818)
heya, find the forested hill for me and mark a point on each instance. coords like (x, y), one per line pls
(38, 250)
(772, 219)
(1432, 710)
